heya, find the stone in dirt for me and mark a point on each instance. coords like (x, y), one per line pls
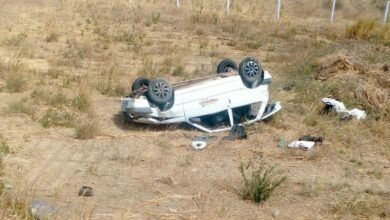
(86, 191)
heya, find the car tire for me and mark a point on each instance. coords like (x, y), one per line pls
(139, 82)
(250, 70)
(159, 91)
(225, 65)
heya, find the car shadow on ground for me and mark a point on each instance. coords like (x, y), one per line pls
(120, 121)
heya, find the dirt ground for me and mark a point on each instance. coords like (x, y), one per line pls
(64, 48)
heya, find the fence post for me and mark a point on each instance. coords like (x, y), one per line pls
(386, 12)
(178, 3)
(333, 9)
(278, 6)
(228, 7)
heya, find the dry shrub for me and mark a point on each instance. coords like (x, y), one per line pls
(54, 73)
(52, 36)
(13, 74)
(23, 106)
(363, 29)
(372, 95)
(360, 205)
(88, 128)
(83, 100)
(15, 206)
(149, 68)
(369, 29)
(110, 81)
(57, 118)
(15, 40)
(15, 83)
(58, 99)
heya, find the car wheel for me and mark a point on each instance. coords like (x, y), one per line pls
(250, 70)
(225, 65)
(139, 83)
(159, 91)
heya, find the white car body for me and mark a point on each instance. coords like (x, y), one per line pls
(196, 101)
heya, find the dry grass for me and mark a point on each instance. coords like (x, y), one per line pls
(83, 100)
(73, 50)
(57, 117)
(360, 205)
(13, 73)
(23, 106)
(88, 128)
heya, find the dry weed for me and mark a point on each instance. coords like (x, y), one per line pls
(88, 127)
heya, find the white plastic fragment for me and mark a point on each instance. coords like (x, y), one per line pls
(340, 108)
(198, 145)
(305, 145)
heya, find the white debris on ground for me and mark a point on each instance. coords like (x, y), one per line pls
(340, 108)
(305, 145)
(198, 145)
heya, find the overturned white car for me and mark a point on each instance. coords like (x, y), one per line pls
(212, 104)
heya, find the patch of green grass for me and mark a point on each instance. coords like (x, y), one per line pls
(156, 17)
(4, 148)
(261, 183)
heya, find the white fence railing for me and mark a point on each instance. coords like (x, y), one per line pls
(279, 8)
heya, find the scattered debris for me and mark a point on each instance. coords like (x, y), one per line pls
(86, 191)
(305, 145)
(42, 209)
(385, 67)
(200, 143)
(340, 108)
(311, 138)
(236, 133)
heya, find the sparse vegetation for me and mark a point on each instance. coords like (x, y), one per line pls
(23, 106)
(52, 37)
(87, 129)
(261, 182)
(361, 30)
(13, 74)
(110, 82)
(360, 205)
(83, 100)
(15, 40)
(57, 117)
(55, 62)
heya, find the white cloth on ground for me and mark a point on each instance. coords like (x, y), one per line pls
(306, 145)
(340, 108)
